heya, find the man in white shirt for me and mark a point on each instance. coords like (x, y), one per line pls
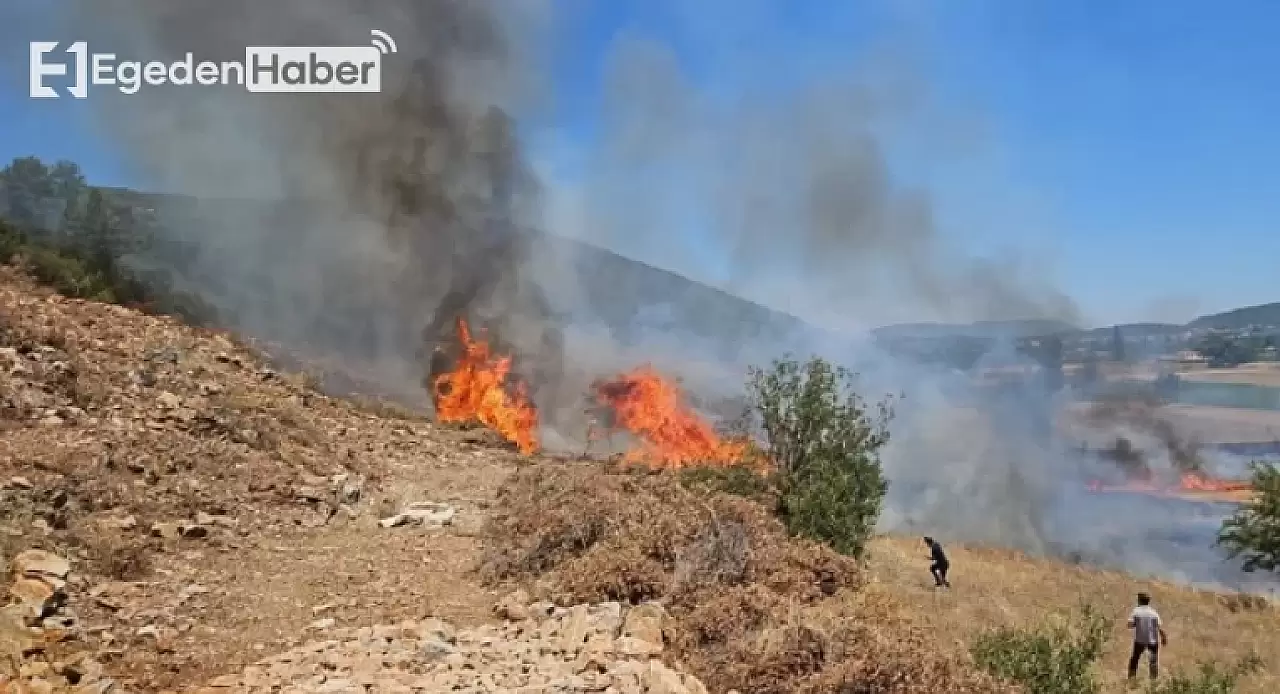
(1148, 635)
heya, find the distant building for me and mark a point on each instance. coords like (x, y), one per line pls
(1186, 359)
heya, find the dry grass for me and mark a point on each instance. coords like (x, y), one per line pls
(751, 608)
(1257, 374)
(999, 587)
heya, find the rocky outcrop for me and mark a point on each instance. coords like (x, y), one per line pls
(585, 648)
(35, 630)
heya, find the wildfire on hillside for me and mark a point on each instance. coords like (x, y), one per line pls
(671, 434)
(476, 389)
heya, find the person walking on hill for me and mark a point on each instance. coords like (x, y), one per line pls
(940, 564)
(1148, 636)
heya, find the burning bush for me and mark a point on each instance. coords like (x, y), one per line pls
(743, 596)
(821, 470)
(825, 445)
(476, 389)
(652, 408)
(476, 386)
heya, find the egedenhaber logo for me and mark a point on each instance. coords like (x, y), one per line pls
(265, 69)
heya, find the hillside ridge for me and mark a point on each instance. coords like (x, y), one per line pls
(204, 522)
(619, 289)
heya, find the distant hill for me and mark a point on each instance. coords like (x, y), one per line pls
(1137, 330)
(632, 296)
(1008, 329)
(628, 297)
(1235, 319)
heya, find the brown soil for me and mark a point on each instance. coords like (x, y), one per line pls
(120, 421)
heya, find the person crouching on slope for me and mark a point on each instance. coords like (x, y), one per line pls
(1148, 635)
(940, 564)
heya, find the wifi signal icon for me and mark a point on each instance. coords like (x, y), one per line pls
(383, 41)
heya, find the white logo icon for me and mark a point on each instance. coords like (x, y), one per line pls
(383, 41)
(265, 69)
(39, 69)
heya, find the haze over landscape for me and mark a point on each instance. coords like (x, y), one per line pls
(1041, 231)
(1115, 188)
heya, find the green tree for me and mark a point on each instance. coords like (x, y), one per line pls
(1252, 533)
(825, 441)
(28, 188)
(66, 181)
(99, 233)
(68, 190)
(75, 238)
(1222, 350)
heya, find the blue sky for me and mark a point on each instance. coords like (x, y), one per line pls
(1131, 145)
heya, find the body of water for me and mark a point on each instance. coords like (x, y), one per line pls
(1244, 395)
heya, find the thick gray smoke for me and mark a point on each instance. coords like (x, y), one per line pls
(404, 209)
(785, 195)
(356, 226)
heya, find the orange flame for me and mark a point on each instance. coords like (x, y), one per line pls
(1193, 482)
(1188, 483)
(475, 391)
(652, 408)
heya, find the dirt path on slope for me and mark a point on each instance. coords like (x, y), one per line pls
(208, 508)
(212, 608)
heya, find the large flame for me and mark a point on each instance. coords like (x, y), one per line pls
(1188, 484)
(476, 391)
(672, 435)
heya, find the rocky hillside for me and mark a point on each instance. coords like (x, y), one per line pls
(176, 514)
(174, 510)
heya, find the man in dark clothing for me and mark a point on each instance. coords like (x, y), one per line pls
(940, 564)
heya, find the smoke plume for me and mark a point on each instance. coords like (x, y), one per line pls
(354, 225)
(784, 193)
(379, 218)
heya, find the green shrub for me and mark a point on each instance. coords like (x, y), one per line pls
(75, 267)
(825, 444)
(66, 274)
(1050, 659)
(1209, 678)
(1252, 533)
(740, 480)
